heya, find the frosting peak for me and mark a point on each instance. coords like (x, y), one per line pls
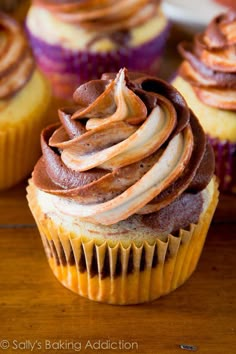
(130, 145)
(16, 61)
(209, 64)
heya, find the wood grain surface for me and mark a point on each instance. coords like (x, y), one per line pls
(37, 314)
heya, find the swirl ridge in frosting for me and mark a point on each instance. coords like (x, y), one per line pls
(16, 60)
(129, 146)
(209, 64)
(102, 15)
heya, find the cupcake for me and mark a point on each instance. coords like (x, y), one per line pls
(207, 80)
(76, 41)
(15, 8)
(24, 99)
(124, 192)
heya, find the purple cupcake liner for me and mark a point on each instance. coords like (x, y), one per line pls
(63, 66)
(225, 157)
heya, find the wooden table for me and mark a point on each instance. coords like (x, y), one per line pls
(36, 310)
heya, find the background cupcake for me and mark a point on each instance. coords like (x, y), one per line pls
(75, 41)
(124, 192)
(24, 100)
(207, 80)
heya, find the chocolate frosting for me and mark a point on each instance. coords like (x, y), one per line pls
(102, 15)
(129, 146)
(10, 5)
(16, 60)
(209, 64)
(185, 210)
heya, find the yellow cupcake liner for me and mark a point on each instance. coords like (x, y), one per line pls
(116, 273)
(20, 141)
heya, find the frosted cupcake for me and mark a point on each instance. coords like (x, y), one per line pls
(24, 99)
(124, 192)
(76, 41)
(207, 80)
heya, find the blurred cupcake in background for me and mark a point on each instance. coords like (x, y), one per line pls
(207, 80)
(76, 41)
(16, 8)
(24, 99)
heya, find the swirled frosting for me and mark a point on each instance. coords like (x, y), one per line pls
(209, 64)
(16, 60)
(129, 146)
(102, 15)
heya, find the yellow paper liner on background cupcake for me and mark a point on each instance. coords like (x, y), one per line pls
(25, 97)
(21, 121)
(124, 193)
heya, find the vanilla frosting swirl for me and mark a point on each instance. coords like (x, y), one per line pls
(16, 60)
(102, 15)
(209, 64)
(131, 145)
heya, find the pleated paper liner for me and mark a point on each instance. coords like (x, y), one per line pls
(20, 143)
(67, 69)
(122, 274)
(225, 157)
